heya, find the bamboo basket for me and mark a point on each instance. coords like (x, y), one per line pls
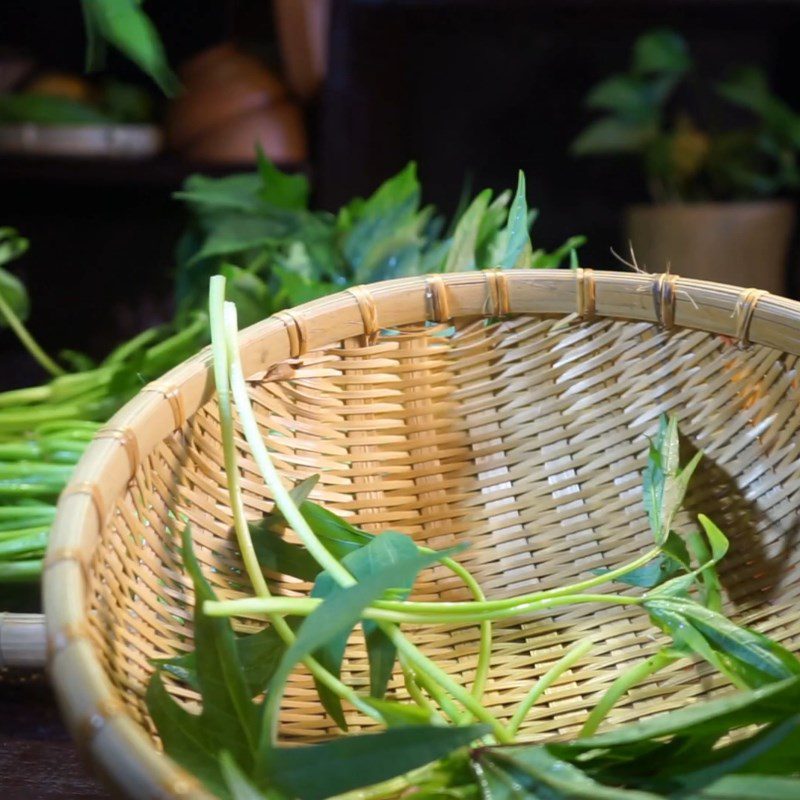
(507, 408)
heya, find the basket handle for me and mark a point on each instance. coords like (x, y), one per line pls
(22, 640)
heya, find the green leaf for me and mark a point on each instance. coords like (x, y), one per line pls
(381, 555)
(656, 572)
(250, 294)
(318, 771)
(661, 51)
(664, 483)
(330, 655)
(186, 737)
(734, 757)
(752, 787)
(613, 135)
(709, 583)
(12, 245)
(236, 782)
(123, 24)
(343, 606)
(376, 231)
(228, 714)
(745, 654)
(748, 88)
(541, 774)
(259, 654)
(711, 718)
(632, 96)
(288, 558)
(281, 189)
(235, 232)
(462, 252)
(229, 193)
(543, 260)
(517, 238)
(280, 557)
(399, 715)
(12, 289)
(639, 761)
(497, 783)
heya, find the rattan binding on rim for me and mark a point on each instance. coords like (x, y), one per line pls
(519, 420)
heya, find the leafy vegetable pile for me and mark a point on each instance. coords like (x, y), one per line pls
(258, 230)
(364, 580)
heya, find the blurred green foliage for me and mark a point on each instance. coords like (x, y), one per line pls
(682, 158)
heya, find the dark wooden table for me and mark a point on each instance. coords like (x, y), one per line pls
(38, 760)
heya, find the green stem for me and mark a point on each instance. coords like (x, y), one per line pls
(433, 689)
(283, 500)
(391, 611)
(124, 351)
(78, 429)
(423, 665)
(221, 363)
(28, 341)
(28, 543)
(570, 589)
(20, 571)
(621, 686)
(221, 350)
(23, 512)
(31, 394)
(318, 551)
(160, 356)
(575, 653)
(412, 687)
(485, 645)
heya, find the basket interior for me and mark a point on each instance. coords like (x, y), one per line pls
(525, 437)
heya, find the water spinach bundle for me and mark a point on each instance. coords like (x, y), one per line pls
(438, 739)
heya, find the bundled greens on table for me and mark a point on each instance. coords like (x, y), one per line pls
(258, 230)
(441, 741)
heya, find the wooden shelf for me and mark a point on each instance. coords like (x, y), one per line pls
(162, 171)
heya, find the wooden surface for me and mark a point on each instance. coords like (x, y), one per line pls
(38, 761)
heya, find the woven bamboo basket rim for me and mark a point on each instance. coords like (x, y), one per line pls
(91, 705)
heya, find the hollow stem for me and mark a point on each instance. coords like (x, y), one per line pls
(413, 689)
(28, 342)
(573, 654)
(621, 686)
(393, 612)
(296, 521)
(283, 500)
(432, 688)
(221, 352)
(485, 645)
(422, 664)
(20, 571)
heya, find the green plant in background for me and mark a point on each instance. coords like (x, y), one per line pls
(684, 157)
(258, 231)
(124, 25)
(255, 228)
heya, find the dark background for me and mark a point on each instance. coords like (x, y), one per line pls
(471, 89)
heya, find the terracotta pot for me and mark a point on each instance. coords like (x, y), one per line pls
(740, 243)
(220, 84)
(278, 129)
(196, 113)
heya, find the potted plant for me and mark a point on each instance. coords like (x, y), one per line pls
(719, 159)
